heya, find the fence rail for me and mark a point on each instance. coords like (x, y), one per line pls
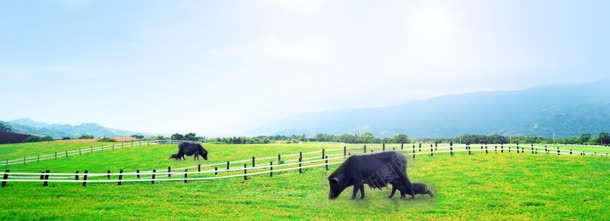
(299, 164)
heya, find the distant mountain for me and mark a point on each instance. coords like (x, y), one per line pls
(565, 110)
(29, 126)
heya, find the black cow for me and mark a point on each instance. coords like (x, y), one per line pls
(376, 170)
(418, 188)
(189, 149)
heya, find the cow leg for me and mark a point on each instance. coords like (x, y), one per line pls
(408, 185)
(362, 191)
(393, 191)
(356, 189)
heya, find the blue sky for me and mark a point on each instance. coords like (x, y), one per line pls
(225, 67)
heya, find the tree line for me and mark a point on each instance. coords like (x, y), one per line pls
(598, 139)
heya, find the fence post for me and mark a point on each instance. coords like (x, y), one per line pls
(198, 168)
(558, 151)
(46, 177)
(393, 148)
(56, 155)
(270, 168)
(215, 171)
(509, 148)
(76, 176)
(227, 165)
(120, 176)
(5, 177)
(113, 146)
(80, 153)
(496, 148)
(419, 147)
(138, 173)
(85, 178)
(300, 162)
(7, 162)
(570, 151)
(383, 147)
(90, 149)
(102, 148)
(245, 172)
(66, 154)
(344, 151)
(517, 147)
(364, 148)
(153, 176)
(326, 162)
(169, 171)
(468, 147)
(323, 150)
(185, 174)
(501, 148)
(108, 175)
(431, 150)
(402, 145)
(451, 148)
(23, 160)
(486, 150)
(413, 151)
(253, 161)
(42, 175)
(279, 158)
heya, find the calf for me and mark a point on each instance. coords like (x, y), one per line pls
(418, 188)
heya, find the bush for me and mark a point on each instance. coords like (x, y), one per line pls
(85, 136)
(38, 139)
(105, 139)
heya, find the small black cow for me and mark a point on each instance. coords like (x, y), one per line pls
(376, 170)
(418, 188)
(189, 149)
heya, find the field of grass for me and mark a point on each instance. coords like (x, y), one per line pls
(16, 151)
(481, 186)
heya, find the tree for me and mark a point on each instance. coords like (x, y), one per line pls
(66, 138)
(139, 137)
(5, 127)
(401, 138)
(85, 136)
(602, 139)
(585, 138)
(177, 136)
(190, 136)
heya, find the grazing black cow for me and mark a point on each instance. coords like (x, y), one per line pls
(376, 170)
(189, 149)
(418, 188)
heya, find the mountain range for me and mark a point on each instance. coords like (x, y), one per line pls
(28, 126)
(558, 110)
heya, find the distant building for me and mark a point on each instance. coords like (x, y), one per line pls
(10, 137)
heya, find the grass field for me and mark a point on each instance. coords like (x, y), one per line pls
(482, 186)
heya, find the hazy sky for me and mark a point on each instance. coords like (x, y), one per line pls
(224, 67)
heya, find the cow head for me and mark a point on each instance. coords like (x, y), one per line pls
(174, 156)
(337, 185)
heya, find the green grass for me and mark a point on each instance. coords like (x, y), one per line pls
(482, 186)
(16, 151)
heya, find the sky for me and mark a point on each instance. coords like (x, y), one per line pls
(222, 68)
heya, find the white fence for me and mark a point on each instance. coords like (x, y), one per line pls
(325, 158)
